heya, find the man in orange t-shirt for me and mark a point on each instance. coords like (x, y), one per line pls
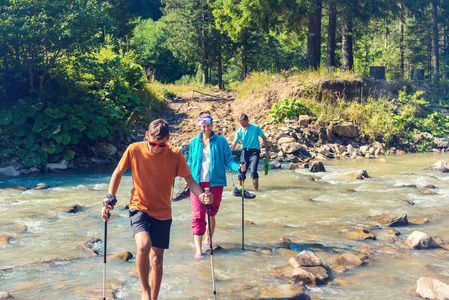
(154, 165)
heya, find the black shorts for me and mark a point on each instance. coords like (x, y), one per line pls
(158, 230)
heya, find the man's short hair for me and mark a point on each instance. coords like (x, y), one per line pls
(243, 117)
(159, 129)
(204, 113)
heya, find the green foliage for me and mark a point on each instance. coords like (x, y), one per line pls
(47, 133)
(168, 94)
(288, 108)
(154, 54)
(106, 93)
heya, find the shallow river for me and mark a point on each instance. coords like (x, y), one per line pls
(281, 209)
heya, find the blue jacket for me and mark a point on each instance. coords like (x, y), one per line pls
(220, 157)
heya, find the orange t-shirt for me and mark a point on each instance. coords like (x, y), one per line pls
(153, 176)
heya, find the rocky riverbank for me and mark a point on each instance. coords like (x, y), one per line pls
(298, 140)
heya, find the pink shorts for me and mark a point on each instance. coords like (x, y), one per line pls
(199, 211)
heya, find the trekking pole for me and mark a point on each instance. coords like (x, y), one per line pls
(211, 247)
(232, 178)
(243, 213)
(104, 256)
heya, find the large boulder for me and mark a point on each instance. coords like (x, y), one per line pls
(421, 240)
(433, 289)
(346, 129)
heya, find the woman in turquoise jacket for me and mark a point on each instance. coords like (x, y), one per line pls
(209, 154)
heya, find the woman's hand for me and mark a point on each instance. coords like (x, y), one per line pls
(207, 198)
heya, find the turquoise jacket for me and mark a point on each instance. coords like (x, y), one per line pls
(220, 157)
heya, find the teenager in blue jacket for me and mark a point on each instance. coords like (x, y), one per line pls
(209, 154)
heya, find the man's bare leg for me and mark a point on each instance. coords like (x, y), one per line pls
(143, 243)
(256, 183)
(157, 264)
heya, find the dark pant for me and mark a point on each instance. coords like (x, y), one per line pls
(250, 157)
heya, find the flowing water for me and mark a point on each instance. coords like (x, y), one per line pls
(281, 209)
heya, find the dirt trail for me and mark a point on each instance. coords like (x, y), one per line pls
(182, 114)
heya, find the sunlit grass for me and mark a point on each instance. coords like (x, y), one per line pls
(182, 88)
(254, 81)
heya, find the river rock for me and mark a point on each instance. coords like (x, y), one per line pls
(287, 252)
(433, 289)
(72, 209)
(121, 256)
(9, 172)
(346, 129)
(441, 143)
(428, 192)
(17, 187)
(360, 234)
(391, 220)
(362, 174)
(284, 291)
(350, 260)
(440, 165)
(310, 275)
(421, 240)
(305, 259)
(5, 239)
(290, 147)
(56, 167)
(5, 296)
(106, 149)
(286, 140)
(317, 166)
(275, 164)
(41, 186)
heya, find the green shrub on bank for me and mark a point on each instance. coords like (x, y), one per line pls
(101, 95)
(377, 119)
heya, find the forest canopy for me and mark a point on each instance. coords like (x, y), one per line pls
(77, 71)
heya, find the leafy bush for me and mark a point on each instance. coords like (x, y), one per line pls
(101, 95)
(168, 94)
(288, 108)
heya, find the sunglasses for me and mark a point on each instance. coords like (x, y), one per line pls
(162, 145)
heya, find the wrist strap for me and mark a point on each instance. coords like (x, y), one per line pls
(112, 201)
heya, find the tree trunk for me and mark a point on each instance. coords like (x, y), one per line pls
(313, 55)
(204, 51)
(244, 62)
(219, 69)
(435, 48)
(401, 43)
(347, 55)
(331, 36)
(205, 75)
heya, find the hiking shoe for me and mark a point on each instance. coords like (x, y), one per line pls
(238, 193)
(182, 194)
